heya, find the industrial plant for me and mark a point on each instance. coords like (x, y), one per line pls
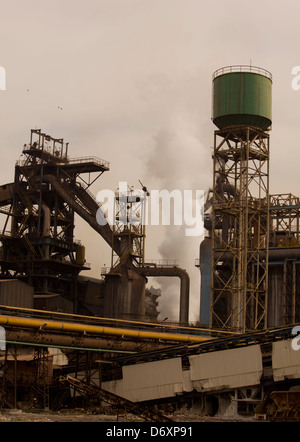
(69, 339)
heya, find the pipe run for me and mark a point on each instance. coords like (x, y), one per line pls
(45, 343)
(80, 342)
(66, 328)
(273, 254)
(184, 286)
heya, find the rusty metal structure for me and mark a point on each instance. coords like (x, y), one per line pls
(240, 221)
(284, 260)
(38, 245)
(37, 238)
(249, 260)
(240, 228)
(89, 346)
(40, 266)
(93, 334)
(95, 391)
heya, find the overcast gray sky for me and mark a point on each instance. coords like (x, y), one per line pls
(133, 79)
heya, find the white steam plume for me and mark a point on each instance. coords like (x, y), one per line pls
(179, 161)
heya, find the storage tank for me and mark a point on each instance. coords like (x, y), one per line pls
(80, 255)
(242, 95)
(124, 293)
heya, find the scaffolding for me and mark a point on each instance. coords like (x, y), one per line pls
(240, 229)
(284, 259)
(129, 224)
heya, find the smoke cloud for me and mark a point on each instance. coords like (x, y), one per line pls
(178, 160)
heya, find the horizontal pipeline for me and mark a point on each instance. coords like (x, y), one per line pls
(80, 341)
(68, 327)
(114, 321)
(274, 254)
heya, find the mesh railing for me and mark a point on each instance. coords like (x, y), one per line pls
(95, 160)
(242, 68)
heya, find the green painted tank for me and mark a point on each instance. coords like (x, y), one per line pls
(242, 95)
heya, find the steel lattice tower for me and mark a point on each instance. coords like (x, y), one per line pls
(240, 214)
(240, 228)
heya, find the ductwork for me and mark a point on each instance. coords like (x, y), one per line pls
(283, 253)
(184, 285)
(46, 225)
(275, 254)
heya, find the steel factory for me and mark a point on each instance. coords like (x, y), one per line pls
(68, 339)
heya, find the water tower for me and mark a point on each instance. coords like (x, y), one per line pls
(240, 210)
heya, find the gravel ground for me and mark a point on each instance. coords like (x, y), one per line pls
(81, 416)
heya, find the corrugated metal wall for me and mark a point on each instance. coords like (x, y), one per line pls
(285, 361)
(15, 293)
(151, 380)
(226, 369)
(209, 372)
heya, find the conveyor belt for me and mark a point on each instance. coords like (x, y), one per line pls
(93, 391)
(83, 208)
(213, 344)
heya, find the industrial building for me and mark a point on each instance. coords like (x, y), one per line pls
(38, 246)
(72, 338)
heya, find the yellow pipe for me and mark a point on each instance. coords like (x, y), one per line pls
(113, 320)
(68, 327)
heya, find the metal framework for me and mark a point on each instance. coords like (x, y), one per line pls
(240, 229)
(115, 400)
(42, 377)
(129, 224)
(285, 220)
(37, 238)
(284, 258)
(8, 393)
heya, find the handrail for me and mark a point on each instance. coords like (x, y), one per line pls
(96, 160)
(242, 68)
(161, 263)
(78, 160)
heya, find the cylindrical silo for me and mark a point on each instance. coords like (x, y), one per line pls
(80, 255)
(242, 95)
